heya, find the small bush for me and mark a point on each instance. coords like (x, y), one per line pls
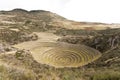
(19, 54)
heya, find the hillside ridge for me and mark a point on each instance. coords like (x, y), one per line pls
(50, 19)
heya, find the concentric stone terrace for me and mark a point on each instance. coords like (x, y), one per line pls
(62, 55)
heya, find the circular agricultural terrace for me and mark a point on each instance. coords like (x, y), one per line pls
(62, 55)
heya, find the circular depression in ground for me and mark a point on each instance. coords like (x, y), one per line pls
(62, 55)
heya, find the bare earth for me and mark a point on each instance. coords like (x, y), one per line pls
(43, 37)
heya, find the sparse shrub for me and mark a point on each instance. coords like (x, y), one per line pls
(27, 22)
(23, 54)
(106, 76)
(10, 73)
(65, 32)
(19, 54)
